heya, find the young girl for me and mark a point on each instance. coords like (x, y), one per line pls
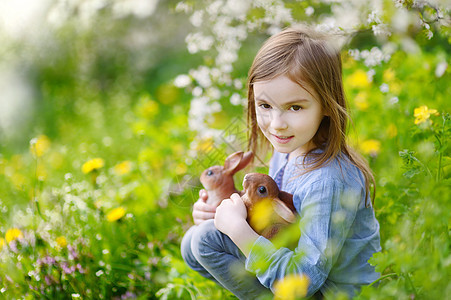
(296, 102)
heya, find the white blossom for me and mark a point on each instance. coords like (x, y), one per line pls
(393, 100)
(196, 18)
(202, 76)
(441, 68)
(370, 74)
(198, 42)
(384, 88)
(182, 7)
(182, 81)
(309, 11)
(197, 91)
(235, 99)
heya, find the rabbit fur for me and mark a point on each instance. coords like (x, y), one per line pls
(258, 187)
(218, 180)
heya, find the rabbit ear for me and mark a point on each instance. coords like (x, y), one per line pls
(283, 211)
(287, 198)
(237, 161)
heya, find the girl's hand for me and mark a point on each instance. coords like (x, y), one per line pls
(230, 219)
(230, 215)
(201, 210)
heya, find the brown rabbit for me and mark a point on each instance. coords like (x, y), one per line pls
(281, 211)
(218, 180)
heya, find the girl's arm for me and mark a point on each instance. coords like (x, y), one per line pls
(230, 219)
(327, 209)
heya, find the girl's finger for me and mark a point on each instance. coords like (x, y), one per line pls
(235, 197)
(203, 215)
(203, 194)
(200, 205)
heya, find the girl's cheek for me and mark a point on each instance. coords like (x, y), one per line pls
(262, 120)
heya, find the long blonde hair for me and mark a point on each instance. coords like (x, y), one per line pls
(308, 57)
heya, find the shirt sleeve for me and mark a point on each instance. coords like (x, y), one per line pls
(327, 211)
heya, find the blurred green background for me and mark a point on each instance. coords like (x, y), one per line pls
(110, 110)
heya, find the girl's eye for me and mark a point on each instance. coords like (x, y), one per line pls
(265, 106)
(295, 108)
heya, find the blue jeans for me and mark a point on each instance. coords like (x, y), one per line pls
(213, 254)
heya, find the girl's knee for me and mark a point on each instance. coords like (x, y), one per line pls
(203, 239)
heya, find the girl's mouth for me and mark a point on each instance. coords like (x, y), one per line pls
(282, 139)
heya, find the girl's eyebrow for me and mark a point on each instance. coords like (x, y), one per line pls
(286, 103)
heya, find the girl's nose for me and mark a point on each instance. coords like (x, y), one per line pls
(277, 120)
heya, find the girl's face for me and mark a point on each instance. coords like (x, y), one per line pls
(287, 114)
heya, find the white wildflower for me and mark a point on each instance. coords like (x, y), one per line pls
(393, 100)
(373, 17)
(182, 7)
(197, 42)
(384, 88)
(380, 30)
(202, 76)
(235, 99)
(197, 91)
(182, 81)
(197, 18)
(238, 84)
(214, 93)
(309, 11)
(370, 74)
(441, 68)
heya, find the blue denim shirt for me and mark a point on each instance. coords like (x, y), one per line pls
(338, 232)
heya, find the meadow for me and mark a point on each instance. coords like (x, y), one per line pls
(109, 114)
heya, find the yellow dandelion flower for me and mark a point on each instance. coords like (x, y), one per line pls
(41, 172)
(147, 108)
(291, 287)
(123, 168)
(205, 145)
(371, 147)
(2, 243)
(388, 75)
(93, 164)
(361, 101)
(39, 145)
(396, 87)
(13, 234)
(61, 241)
(261, 215)
(19, 181)
(359, 79)
(181, 168)
(392, 130)
(115, 214)
(423, 113)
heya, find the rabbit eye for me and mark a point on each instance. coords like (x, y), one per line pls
(261, 189)
(210, 172)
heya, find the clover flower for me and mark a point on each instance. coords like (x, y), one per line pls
(93, 164)
(423, 113)
(13, 234)
(291, 287)
(115, 214)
